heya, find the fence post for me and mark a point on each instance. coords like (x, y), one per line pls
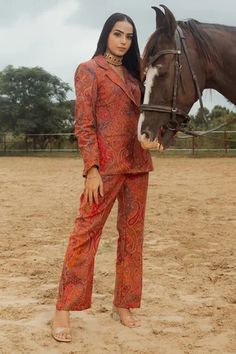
(225, 142)
(4, 143)
(26, 143)
(193, 145)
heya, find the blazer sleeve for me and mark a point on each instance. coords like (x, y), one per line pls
(85, 118)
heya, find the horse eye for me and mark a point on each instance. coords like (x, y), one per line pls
(160, 70)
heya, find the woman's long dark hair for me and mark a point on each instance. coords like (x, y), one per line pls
(131, 59)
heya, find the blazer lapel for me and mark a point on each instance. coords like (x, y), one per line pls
(125, 86)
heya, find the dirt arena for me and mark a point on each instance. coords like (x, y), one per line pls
(189, 293)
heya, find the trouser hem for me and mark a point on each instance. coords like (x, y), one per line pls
(126, 306)
(72, 308)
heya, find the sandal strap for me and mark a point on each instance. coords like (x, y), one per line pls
(59, 330)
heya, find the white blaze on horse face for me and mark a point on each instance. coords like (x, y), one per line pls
(150, 76)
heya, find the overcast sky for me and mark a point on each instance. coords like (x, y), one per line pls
(59, 34)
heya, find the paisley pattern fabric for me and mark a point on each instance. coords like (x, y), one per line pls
(75, 290)
(106, 119)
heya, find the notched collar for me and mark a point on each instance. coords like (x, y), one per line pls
(126, 86)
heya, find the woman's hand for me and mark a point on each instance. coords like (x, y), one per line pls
(93, 186)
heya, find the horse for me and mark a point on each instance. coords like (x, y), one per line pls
(180, 60)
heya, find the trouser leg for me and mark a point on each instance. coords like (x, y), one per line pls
(130, 224)
(75, 289)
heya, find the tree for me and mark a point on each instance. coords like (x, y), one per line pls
(199, 121)
(32, 101)
(218, 112)
(217, 116)
(220, 115)
(68, 123)
(6, 118)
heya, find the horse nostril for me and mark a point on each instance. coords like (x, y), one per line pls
(147, 134)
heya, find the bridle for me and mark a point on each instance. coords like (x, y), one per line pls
(174, 110)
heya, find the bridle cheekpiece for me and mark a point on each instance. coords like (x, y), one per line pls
(174, 110)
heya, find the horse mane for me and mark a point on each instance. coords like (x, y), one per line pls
(202, 40)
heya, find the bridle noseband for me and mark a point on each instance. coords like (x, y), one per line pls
(174, 110)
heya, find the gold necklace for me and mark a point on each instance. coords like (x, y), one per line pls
(112, 59)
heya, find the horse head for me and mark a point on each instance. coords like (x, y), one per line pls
(169, 90)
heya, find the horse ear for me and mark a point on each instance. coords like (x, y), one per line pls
(160, 17)
(171, 24)
(165, 20)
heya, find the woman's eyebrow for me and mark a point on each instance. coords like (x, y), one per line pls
(116, 29)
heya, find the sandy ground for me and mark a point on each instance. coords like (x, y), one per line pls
(189, 294)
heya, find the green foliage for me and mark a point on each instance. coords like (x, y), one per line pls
(32, 101)
(199, 122)
(219, 111)
(216, 117)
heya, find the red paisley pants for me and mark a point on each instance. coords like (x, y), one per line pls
(75, 289)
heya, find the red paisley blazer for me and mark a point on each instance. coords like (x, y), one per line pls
(106, 118)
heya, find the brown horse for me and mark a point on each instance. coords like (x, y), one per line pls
(180, 60)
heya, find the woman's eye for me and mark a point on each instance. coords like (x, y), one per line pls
(130, 38)
(117, 34)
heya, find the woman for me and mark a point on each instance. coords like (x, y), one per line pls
(115, 167)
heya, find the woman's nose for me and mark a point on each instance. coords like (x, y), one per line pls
(123, 39)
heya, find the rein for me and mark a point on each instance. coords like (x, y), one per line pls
(196, 134)
(174, 110)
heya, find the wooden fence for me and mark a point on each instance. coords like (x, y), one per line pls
(214, 142)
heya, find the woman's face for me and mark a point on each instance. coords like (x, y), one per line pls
(120, 38)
